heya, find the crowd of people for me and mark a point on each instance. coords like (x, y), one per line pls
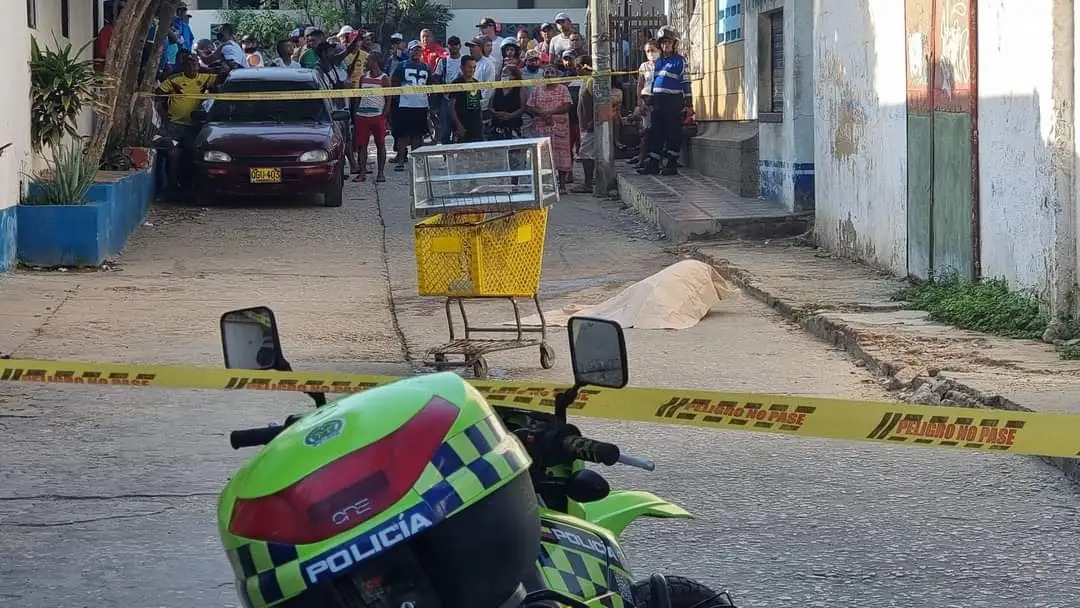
(354, 58)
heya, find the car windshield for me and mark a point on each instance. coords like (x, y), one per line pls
(269, 110)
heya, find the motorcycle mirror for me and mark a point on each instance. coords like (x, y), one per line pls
(587, 485)
(598, 352)
(249, 339)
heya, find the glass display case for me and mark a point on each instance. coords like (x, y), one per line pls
(483, 177)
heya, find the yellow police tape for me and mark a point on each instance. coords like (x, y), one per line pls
(1033, 433)
(383, 91)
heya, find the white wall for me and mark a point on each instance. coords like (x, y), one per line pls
(14, 101)
(860, 130)
(785, 148)
(1016, 185)
(463, 25)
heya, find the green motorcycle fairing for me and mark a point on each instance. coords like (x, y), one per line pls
(582, 560)
(620, 508)
(475, 457)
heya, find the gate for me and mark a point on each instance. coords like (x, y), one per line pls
(630, 26)
(942, 152)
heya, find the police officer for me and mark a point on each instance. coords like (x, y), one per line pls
(669, 95)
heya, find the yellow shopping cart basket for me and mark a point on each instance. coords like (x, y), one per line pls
(480, 255)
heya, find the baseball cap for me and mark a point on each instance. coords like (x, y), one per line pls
(509, 42)
(309, 29)
(478, 41)
(413, 44)
(561, 17)
(546, 26)
(396, 36)
(295, 33)
(533, 54)
(345, 30)
(568, 53)
(486, 21)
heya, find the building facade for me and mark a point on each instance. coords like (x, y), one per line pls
(70, 21)
(944, 139)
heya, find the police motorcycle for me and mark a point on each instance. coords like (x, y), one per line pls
(421, 494)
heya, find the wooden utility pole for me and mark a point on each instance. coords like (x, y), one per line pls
(599, 18)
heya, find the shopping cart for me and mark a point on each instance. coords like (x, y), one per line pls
(483, 238)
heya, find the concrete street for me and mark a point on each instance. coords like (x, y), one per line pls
(107, 496)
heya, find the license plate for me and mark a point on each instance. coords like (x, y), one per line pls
(266, 176)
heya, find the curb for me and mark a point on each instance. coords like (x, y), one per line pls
(842, 336)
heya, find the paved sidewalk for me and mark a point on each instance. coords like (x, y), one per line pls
(692, 206)
(850, 306)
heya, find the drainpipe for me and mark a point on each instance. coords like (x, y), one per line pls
(1063, 168)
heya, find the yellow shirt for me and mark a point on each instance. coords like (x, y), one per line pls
(358, 72)
(180, 108)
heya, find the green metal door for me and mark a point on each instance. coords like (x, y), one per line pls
(942, 188)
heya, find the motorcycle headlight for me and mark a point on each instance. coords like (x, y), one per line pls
(315, 156)
(215, 156)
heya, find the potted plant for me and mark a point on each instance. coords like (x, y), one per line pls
(72, 213)
(57, 225)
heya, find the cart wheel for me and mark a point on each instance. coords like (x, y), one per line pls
(547, 356)
(480, 368)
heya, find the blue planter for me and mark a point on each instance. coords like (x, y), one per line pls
(87, 234)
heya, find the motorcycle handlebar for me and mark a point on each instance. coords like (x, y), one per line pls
(249, 438)
(591, 450)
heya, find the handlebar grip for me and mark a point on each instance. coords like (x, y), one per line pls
(249, 438)
(591, 450)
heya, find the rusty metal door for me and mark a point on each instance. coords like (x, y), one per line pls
(942, 133)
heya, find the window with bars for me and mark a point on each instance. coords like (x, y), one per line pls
(770, 65)
(728, 21)
(776, 59)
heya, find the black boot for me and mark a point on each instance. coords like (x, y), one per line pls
(671, 166)
(651, 167)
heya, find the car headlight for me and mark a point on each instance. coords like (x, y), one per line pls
(315, 156)
(215, 156)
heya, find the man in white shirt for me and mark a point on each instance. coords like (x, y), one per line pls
(560, 43)
(230, 50)
(486, 70)
(446, 70)
(487, 31)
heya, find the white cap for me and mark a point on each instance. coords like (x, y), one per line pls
(345, 29)
(562, 17)
(413, 44)
(396, 36)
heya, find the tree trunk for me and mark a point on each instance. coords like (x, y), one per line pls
(138, 124)
(121, 61)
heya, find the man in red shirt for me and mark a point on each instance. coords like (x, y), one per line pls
(432, 50)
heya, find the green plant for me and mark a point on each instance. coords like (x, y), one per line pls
(62, 85)
(987, 306)
(68, 175)
(267, 26)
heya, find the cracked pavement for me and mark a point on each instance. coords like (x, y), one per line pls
(107, 495)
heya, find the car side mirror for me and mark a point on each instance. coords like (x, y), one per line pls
(200, 116)
(598, 352)
(249, 339)
(339, 115)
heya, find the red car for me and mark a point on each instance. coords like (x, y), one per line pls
(272, 147)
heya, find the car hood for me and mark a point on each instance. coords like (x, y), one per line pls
(265, 138)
